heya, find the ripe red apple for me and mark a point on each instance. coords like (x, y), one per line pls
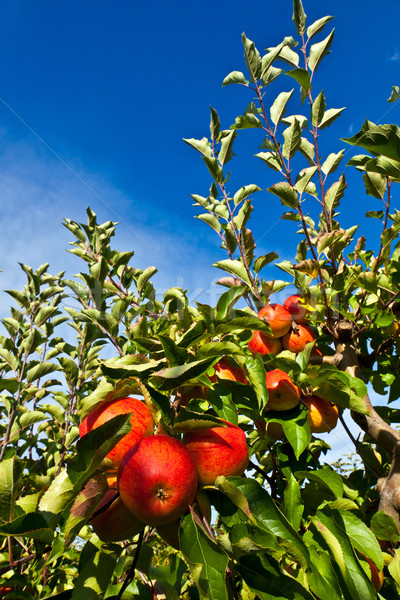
(283, 394)
(262, 344)
(297, 338)
(116, 523)
(157, 479)
(217, 451)
(141, 422)
(294, 304)
(170, 532)
(226, 369)
(322, 415)
(278, 318)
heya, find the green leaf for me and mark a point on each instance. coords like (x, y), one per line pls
(332, 162)
(299, 17)
(215, 124)
(302, 76)
(235, 77)
(173, 377)
(97, 565)
(211, 220)
(202, 146)
(327, 476)
(214, 168)
(207, 562)
(395, 95)
(278, 107)
(317, 26)
(247, 121)
(286, 193)
(234, 267)
(252, 58)
(330, 116)
(189, 420)
(227, 300)
(144, 278)
(9, 358)
(10, 482)
(335, 193)
(297, 430)
(31, 525)
(304, 179)
(256, 378)
(375, 185)
(225, 153)
(40, 370)
(318, 109)
(294, 506)
(245, 192)
(384, 527)
(318, 51)
(360, 536)
(322, 578)
(258, 506)
(292, 137)
(378, 140)
(264, 260)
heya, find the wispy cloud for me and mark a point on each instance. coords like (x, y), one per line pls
(395, 57)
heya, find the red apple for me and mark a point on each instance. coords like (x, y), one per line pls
(157, 479)
(322, 415)
(283, 394)
(262, 344)
(278, 318)
(116, 523)
(294, 304)
(141, 422)
(226, 369)
(217, 451)
(297, 338)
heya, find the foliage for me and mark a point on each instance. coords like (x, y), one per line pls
(294, 526)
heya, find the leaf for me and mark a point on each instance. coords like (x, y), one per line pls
(318, 109)
(227, 300)
(332, 162)
(360, 536)
(235, 77)
(318, 51)
(207, 562)
(256, 378)
(323, 579)
(215, 124)
(330, 116)
(327, 477)
(297, 430)
(294, 506)
(173, 377)
(10, 482)
(335, 193)
(247, 121)
(225, 153)
(202, 146)
(264, 576)
(292, 137)
(214, 168)
(375, 185)
(258, 506)
(278, 107)
(245, 192)
(317, 26)
(304, 179)
(286, 193)
(384, 527)
(234, 267)
(378, 140)
(97, 565)
(395, 95)
(264, 260)
(302, 76)
(31, 525)
(40, 370)
(188, 420)
(252, 58)
(9, 358)
(144, 278)
(299, 17)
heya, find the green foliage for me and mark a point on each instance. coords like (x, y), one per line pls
(293, 526)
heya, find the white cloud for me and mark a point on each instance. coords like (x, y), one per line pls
(395, 57)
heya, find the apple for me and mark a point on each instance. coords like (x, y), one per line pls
(322, 415)
(116, 523)
(217, 451)
(170, 532)
(225, 369)
(262, 344)
(141, 422)
(157, 479)
(294, 304)
(275, 431)
(297, 338)
(283, 394)
(278, 318)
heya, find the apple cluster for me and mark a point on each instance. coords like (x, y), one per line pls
(155, 477)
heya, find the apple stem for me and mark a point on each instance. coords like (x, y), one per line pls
(131, 573)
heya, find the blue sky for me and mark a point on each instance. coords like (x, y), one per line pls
(95, 98)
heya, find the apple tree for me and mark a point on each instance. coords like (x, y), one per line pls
(295, 524)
